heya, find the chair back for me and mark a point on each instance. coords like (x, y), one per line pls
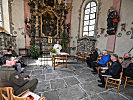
(13, 97)
(9, 94)
(5, 93)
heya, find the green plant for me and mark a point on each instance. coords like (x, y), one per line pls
(53, 50)
(34, 51)
(65, 41)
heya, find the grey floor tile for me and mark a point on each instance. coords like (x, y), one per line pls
(93, 97)
(71, 81)
(52, 76)
(47, 71)
(43, 86)
(72, 93)
(51, 95)
(112, 96)
(37, 72)
(58, 84)
(39, 77)
(65, 73)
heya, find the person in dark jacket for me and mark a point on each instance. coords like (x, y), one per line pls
(93, 57)
(126, 61)
(114, 71)
(13, 51)
(129, 70)
(22, 83)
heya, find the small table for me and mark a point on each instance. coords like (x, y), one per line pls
(60, 56)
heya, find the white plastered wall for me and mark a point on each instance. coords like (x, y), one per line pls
(18, 21)
(124, 43)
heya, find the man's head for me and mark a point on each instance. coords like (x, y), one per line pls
(11, 47)
(114, 57)
(104, 52)
(9, 51)
(58, 42)
(127, 55)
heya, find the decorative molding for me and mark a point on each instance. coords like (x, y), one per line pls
(119, 34)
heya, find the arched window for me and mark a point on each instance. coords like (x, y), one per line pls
(1, 22)
(89, 19)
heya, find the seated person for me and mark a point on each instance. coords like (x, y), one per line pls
(57, 46)
(126, 61)
(98, 51)
(114, 71)
(10, 61)
(129, 70)
(22, 83)
(13, 51)
(93, 57)
(102, 62)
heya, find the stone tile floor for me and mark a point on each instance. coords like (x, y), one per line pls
(73, 83)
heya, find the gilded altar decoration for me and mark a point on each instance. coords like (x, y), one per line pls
(47, 23)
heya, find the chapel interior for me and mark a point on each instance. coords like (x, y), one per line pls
(33, 27)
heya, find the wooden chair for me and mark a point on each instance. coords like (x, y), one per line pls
(104, 68)
(128, 81)
(11, 96)
(81, 56)
(2, 95)
(114, 83)
(77, 55)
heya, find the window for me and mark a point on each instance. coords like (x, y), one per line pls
(89, 19)
(1, 22)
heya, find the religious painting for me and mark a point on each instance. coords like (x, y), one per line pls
(49, 24)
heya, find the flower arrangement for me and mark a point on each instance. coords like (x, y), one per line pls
(53, 50)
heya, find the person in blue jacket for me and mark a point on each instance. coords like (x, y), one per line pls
(102, 62)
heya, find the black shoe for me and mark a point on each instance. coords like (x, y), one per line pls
(101, 85)
(21, 72)
(24, 65)
(99, 81)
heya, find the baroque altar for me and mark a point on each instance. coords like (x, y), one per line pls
(48, 23)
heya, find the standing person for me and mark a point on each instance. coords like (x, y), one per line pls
(114, 71)
(57, 46)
